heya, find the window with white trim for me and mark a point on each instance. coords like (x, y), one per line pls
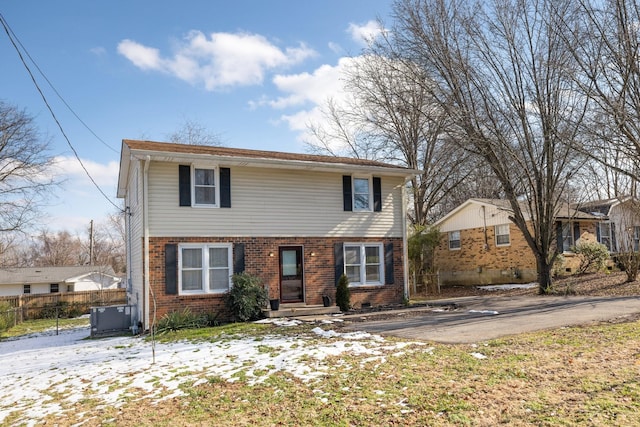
(26, 289)
(567, 236)
(361, 194)
(364, 263)
(205, 190)
(54, 288)
(503, 237)
(606, 235)
(454, 240)
(204, 268)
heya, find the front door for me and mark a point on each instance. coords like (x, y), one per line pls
(291, 274)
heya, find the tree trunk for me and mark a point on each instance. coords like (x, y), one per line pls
(544, 275)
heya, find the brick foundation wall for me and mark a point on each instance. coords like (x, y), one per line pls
(319, 272)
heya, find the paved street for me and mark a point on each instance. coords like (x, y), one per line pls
(478, 319)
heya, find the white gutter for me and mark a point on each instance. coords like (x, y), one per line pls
(145, 249)
(274, 163)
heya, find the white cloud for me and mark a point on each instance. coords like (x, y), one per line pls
(103, 174)
(217, 61)
(365, 33)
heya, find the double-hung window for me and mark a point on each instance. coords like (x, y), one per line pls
(502, 235)
(361, 194)
(636, 238)
(205, 190)
(363, 263)
(54, 288)
(567, 236)
(606, 235)
(26, 289)
(454, 240)
(205, 268)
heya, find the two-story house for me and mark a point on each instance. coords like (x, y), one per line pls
(195, 215)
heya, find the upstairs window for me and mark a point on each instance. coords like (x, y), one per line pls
(361, 194)
(503, 237)
(454, 240)
(204, 187)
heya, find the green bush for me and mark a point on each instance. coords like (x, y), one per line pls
(593, 256)
(7, 316)
(343, 294)
(247, 297)
(184, 319)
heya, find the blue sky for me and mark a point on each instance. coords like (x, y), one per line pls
(253, 72)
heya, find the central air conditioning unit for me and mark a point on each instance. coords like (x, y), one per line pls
(111, 320)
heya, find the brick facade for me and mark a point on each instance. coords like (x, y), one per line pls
(319, 272)
(480, 261)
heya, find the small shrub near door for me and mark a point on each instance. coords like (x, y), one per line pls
(247, 297)
(593, 256)
(343, 294)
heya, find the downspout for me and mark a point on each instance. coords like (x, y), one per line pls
(145, 249)
(405, 249)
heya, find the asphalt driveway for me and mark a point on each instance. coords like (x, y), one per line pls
(476, 319)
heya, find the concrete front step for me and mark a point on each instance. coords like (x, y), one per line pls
(297, 310)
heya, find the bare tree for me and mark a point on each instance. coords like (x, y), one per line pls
(24, 169)
(192, 132)
(57, 250)
(389, 115)
(501, 72)
(607, 49)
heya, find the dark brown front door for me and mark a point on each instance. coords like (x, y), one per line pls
(291, 274)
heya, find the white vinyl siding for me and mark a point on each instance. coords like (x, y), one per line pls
(272, 202)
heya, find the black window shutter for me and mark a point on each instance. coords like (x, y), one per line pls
(338, 254)
(225, 187)
(171, 269)
(559, 237)
(388, 264)
(576, 232)
(377, 194)
(184, 184)
(238, 258)
(346, 193)
(598, 232)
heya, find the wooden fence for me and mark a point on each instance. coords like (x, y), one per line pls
(33, 306)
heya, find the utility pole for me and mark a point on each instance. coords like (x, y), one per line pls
(91, 243)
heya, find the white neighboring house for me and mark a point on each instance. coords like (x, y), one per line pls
(44, 280)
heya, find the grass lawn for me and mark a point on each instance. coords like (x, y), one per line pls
(571, 376)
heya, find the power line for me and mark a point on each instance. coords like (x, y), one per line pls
(56, 91)
(5, 25)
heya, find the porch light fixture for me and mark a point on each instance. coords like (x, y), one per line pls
(313, 254)
(271, 254)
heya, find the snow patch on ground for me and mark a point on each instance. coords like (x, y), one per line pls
(114, 370)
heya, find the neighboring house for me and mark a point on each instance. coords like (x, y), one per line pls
(619, 228)
(480, 244)
(44, 280)
(198, 214)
